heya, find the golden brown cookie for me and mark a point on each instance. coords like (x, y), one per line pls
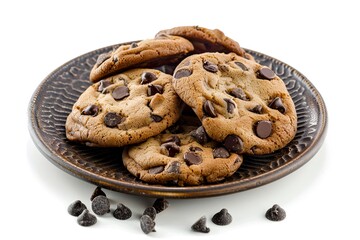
(240, 103)
(124, 109)
(164, 49)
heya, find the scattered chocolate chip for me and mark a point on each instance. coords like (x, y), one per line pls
(111, 119)
(263, 129)
(154, 89)
(238, 93)
(100, 205)
(275, 213)
(174, 139)
(151, 212)
(210, 67)
(97, 192)
(173, 167)
(147, 77)
(242, 66)
(209, 109)
(156, 170)
(147, 224)
(200, 225)
(233, 143)
(86, 219)
(76, 208)
(221, 152)
(266, 73)
(156, 118)
(182, 73)
(230, 105)
(133, 45)
(102, 58)
(172, 148)
(120, 92)
(195, 149)
(91, 110)
(160, 205)
(277, 104)
(200, 135)
(256, 109)
(103, 84)
(192, 158)
(122, 212)
(222, 217)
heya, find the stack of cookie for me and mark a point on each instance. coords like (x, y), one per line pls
(186, 106)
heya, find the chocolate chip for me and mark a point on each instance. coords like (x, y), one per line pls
(200, 135)
(100, 205)
(102, 58)
(160, 205)
(209, 109)
(156, 170)
(86, 219)
(210, 67)
(147, 224)
(184, 72)
(263, 129)
(172, 148)
(151, 212)
(174, 139)
(256, 109)
(195, 149)
(120, 92)
(97, 192)
(76, 208)
(103, 84)
(156, 118)
(230, 105)
(238, 93)
(111, 119)
(222, 217)
(277, 104)
(192, 158)
(147, 77)
(154, 89)
(173, 167)
(266, 73)
(221, 152)
(91, 110)
(233, 144)
(122, 212)
(200, 225)
(275, 213)
(133, 45)
(242, 66)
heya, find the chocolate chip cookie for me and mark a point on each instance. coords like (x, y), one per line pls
(179, 159)
(207, 40)
(164, 49)
(240, 103)
(124, 109)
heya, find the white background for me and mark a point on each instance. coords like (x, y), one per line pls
(320, 39)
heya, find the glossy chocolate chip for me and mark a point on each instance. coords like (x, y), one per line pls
(184, 72)
(172, 148)
(133, 45)
(200, 135)
(238, 93)
(154, 89)
(233, 143)
(120, 92)
(156, 118)
(192, 158)
(266, 73)
(173, 167)
(257, 109)
(102, 58)
(221, 152)
(230, 105)
(147, 77)
(209, 109)
(195, 149)
(156, 170)
(242, 66)
(263, 129)
(111, 119)
(210, 67)
(103, 84)
(174, 139)
(91, 110)
(277, 104)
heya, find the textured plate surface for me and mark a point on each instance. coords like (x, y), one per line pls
(52, 102)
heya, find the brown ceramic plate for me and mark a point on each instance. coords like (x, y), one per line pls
(52, 102)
